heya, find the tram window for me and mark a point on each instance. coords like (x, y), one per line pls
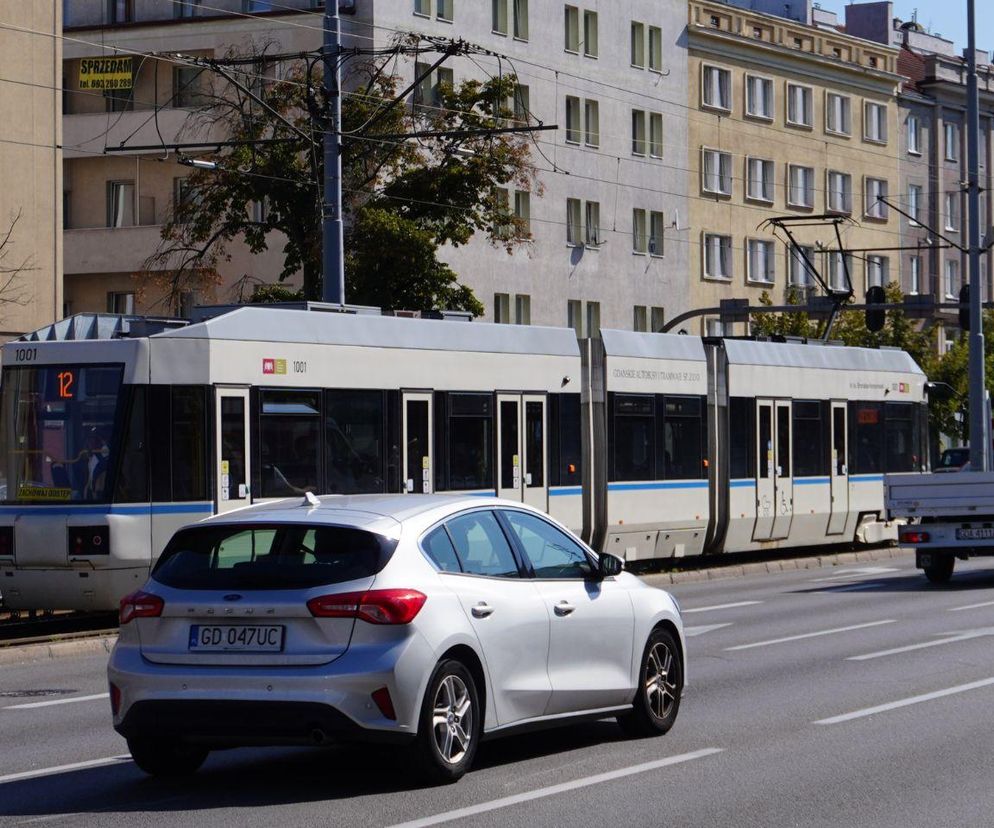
(809, 453)
(783, 441)
(683, 448)
(534, 443)
(634, 437)
(921, 435)
(132, 473)
(901, 451)
(470, 444)
(354, 428)
(189, 444)
(233, 440)
(564, 440)
(866, 445)
(508, 442)
(289, 436)
(765, 441)
(741, 431)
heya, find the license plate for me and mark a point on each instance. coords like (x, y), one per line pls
(975, 534)
(223, 638)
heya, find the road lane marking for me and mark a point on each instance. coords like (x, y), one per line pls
(859, 572)
(853, 587)
(972, 606)
(721, 607)
(952, 639)
(924, 697)
(33, 705)
(690, 632)
(91, 763)
(552, 790)
(810, 635)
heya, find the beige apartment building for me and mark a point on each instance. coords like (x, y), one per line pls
(30, 166)
(787, 119)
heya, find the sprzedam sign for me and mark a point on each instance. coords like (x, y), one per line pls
(104, 74)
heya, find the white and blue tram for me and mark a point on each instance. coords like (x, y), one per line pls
(116, 431)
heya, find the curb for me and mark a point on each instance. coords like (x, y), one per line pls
(101, 645)
(722, 573)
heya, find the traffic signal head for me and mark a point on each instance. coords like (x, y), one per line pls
(875, 317)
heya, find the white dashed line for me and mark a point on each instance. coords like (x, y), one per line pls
(809, 635)
(92, 763)
(924, 697)
(721, 607)
(53, 702)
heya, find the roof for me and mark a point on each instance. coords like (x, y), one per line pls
(791, 355)
(653, 345)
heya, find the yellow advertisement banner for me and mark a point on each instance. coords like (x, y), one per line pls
(105, 73)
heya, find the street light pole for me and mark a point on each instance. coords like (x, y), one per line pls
(980, 425)
(333, 243)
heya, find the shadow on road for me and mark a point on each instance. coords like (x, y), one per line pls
(968, 581)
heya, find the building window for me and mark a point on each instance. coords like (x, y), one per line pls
(655, 49)
(428, 92)
(583, 222)
(593, 318)
(592, 123)
(717, 256)
(876, 189)
(638, 44)
(839, 192)
(716, 172)
(952, 142)
(799, 272)
(800, 111)
(121, 11)
(638, 132)
(590, 33)
(572, 21)
(120, 203)
(592, 226)
(657, 318)
(444, 10)
(914, 135)
(518, 104)
(640, 236)
(952, 278)
(122, 302)
(498, 16)
(801, 186)
(759, 179)
(574, 316)
(838, 114)
(574, 221)
(422, 7)
(760, 261)
(915, 203)
(656, 134)
(523, 213)
(915, 275)
(640, 321)
(716, 89)
(656, 230)
(522, 309)
(839, 270)
(877, 268)
(952, 212)
(759, 97)
(186, 8)
(502, 199)
(187, 88)
(521, 19)
(502, 308)
(257, 5)
(119, 100)
(875, 122)
(573, 133)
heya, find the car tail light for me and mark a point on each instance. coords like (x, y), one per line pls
(913, 536)
(377, 606)
(115, 699)
(385, 703)
(140, 605)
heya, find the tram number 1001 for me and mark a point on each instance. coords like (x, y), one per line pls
(25, 354)
(299, 367)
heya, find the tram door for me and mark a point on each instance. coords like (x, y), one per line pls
(232, 449)
(774, 485)
(522, 448)
(840, 472)
(417, 444)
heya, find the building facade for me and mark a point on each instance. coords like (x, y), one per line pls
(30, 167)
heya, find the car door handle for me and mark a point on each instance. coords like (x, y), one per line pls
(563, 608)
(482, 610)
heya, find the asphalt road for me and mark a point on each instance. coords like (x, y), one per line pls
(855, 695)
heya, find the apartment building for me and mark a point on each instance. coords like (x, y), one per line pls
(30, 167)
(787, 119)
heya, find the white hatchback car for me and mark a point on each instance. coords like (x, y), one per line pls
(429, 620)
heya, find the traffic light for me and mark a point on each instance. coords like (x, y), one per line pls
(875, 317)
(964, 308)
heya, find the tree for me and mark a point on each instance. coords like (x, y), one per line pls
(403, 198)
(12, 270)
(952, 375)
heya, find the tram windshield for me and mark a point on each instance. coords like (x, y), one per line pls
(57, 432)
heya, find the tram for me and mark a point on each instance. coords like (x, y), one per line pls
(116, 431)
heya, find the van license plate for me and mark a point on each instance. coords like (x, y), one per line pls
(222, 638)
(975, 534)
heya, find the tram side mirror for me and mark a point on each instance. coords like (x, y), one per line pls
(609, 565)
(409, 486)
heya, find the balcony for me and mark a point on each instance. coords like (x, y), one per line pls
(84, 135)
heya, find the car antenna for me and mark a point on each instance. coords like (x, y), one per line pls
(310, 499)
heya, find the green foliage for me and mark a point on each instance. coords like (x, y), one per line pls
(952, 368)
(267, 294)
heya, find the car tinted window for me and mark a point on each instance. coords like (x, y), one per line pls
(438, 547)
(551, 552)
(482, 547)
(270, 557)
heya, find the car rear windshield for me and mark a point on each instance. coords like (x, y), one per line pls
(277, 556)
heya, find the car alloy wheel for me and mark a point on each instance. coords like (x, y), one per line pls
(657, 696)
(452, 722)
(660, 681)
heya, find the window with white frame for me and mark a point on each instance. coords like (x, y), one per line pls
(838, 114)
(801, 186)
(839, 270)
(656, 134)
(498, 16)
(875, 122)
(875, 189)
(574, 132)
(422, 7)
(638, 45)
(121, 204)
(657, 318)
(523, 213)
(951, 134)
(716, 88)
(717, 256)
(121, 302)
(640, 231)
(502, 308)
(444, 10)
(521, 19)
(800, 109)
(877, 269)
(655, 49)
(582, 121)
(590, 45)
(759, 173)
(761, 262)
(915, 274)
(574, 221)
(656, 231)
(952, 212)
(592, 224)
(952, 278)
(716, 172)
(592, 123)
(638, 132)
(839, 192)
(640, 320)
(759, 97)
(572, 26)
(915, 203)
(522, 309)
(914, 134)
(799, 273)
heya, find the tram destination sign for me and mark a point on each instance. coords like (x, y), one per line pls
(106, 73)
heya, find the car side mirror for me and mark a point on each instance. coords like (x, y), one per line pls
(609, 565)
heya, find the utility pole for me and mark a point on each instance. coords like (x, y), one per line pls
(980, 425)
(333, 238)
